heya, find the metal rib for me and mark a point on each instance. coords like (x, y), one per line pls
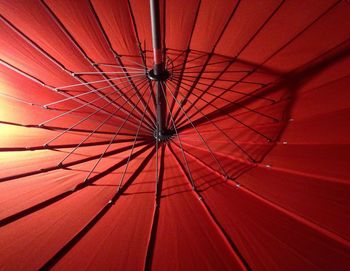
(194, 127)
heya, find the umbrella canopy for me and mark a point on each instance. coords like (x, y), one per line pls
(181, 135)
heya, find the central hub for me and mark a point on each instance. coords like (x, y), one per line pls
(162, 77)
(165, 136)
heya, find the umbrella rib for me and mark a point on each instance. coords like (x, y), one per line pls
(229, 64)
(179, 55)
(193, 59)
(115, 135)
(117, 66)
(18, 99)
(214, 80)
(43, 52)
(239, 105)
(183, 65)
(26, 75)
(226, 25)
(79, 107)
(200, 97)
(51, 88)
(189, 72)
(210, 54)
(186, 57)
(178, 86)
(122, 94)
(178, 136)
(252, 38)
(118, 59)
(85, 93)
(87, 137)
(194, 83)
(135, 63)
(185, 62)
(53, 60)
(87, 117)
(86, 57)
(75, 147)
(261, 27)
(221, 231)
(276, 206)
(52, 127)
(287, 43)
(152, 117)
(231, 90)
(59, 146)
(226, 80)
(194, 127)
(99, 73)
(203, 92)
(242, 150)
(133, 146)
(218, 225)
(209, 64)
(86, 228)
(237, 120)
(72, 163)
(99, 81)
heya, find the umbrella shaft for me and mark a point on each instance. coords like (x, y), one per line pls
(161, 111)
(158, 68)
(156, 37)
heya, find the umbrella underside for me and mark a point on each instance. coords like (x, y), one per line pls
(225, 146)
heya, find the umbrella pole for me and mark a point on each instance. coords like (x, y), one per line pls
(159, 73)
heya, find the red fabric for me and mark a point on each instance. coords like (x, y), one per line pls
(255, 177)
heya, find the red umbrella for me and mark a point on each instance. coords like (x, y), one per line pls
(174, 135)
